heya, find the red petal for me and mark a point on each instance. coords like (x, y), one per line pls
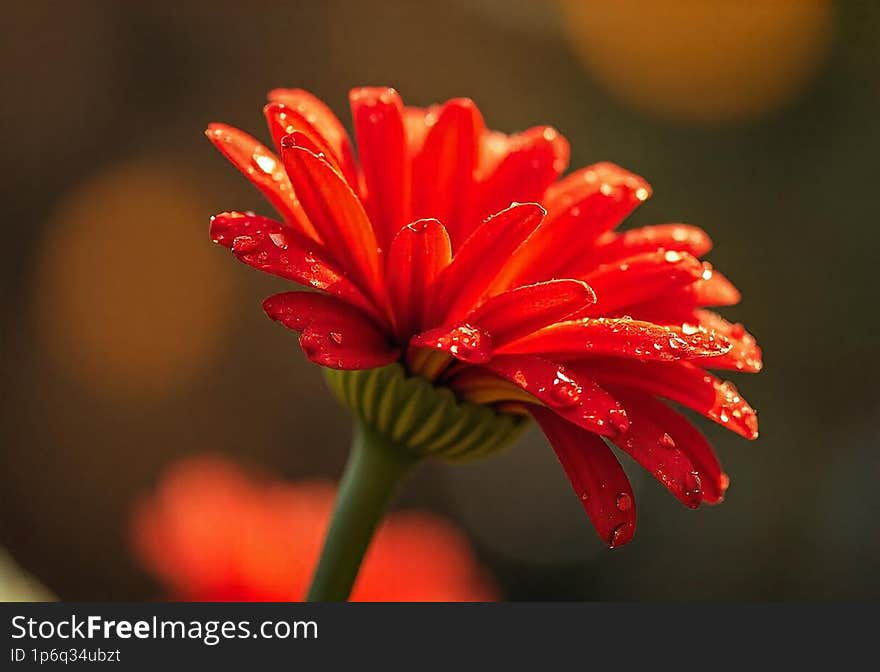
(681, 382)
(650, 444)
(384, 156)
(534, 160)
(464, 342)
(283, 121)
(584, 205)
(274, 248)
(619, 337)
(595, 475)
(745, 355)
(691, 442)
(263, 169)
(322, 123)
(575, 398)
(638, 279)
(679, 237)
(443, 171)
(332, 333)
(335, 212)
(417, 121)
(479, 259)
(417, 255)
(517, 312)
(713, 289)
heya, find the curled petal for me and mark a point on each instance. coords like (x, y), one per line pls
(283, 121)
(678, 237)
(443, 170)
(479, 259)
(322, 124)
(745, 355)
(575, 398)
(264, 170)
(384, 157)
(681, 382)
(635, 280)
(335, 212)
(595, 474)
(517, 312)
(332, 333)
(272, 247)
(686, 437)
(531, 162)
(417, 254)
(619, 337)
(580, 208)
(652, 446)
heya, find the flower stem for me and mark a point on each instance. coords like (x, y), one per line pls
(375, 469)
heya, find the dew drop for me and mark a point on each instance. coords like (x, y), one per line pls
(278, 240)
(692, 484)
(336, 337)
(666, 441)
(616, 534)
(624, 502)
(564, 390)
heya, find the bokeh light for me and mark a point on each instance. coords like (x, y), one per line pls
(131, 298)
(692, 60)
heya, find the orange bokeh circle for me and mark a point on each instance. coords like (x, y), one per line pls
(700, 60)
(131, 297)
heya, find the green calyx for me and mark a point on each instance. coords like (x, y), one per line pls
(421, 419)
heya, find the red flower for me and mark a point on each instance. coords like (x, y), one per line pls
(212, 533)
(460, 252)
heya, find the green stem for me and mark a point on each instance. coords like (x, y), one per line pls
(374, 471)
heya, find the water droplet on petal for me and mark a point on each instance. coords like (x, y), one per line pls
(666, 441)
(564, 390)
(624, 502)
(692, 483)
(616, 534)
(336, 337)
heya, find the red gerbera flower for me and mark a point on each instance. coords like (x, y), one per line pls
(460, 253)
(213, 533)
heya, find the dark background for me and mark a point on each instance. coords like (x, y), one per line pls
(129, 340)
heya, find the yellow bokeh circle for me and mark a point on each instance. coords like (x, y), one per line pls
(131, 297)
(701, 60)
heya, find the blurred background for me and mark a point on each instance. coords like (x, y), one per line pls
(129, 341)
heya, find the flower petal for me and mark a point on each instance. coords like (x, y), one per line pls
(619, 337)
(745, 355)
(681, 382)
(443, 171)
(678, 237)
(417, 254)
(575, 398)
(595, 475)
(580, 208)
(463, 341)
(332, 333)
(534, 159)
(264, 170)
(713, 481)
(517, 312)
(322, 124)
(335, 212)
(651, 445)
(272, 247)
(479, 259)
(640, 278)
(384, 157)
(283, 121)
